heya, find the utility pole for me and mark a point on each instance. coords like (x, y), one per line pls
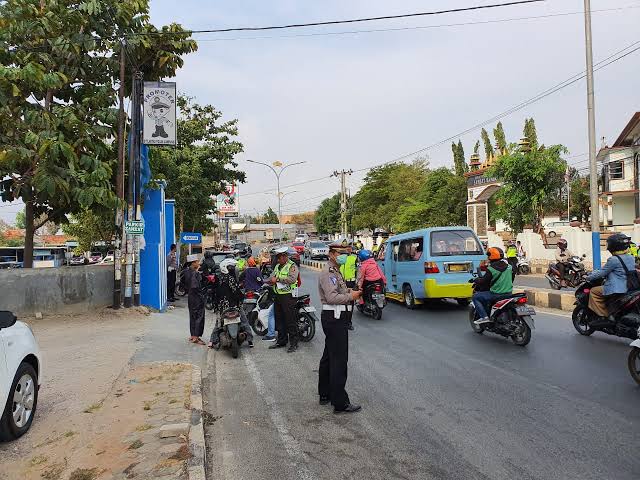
(139, 92)
(593, 169)
(119, 217)
(343, 200)
(128, 281)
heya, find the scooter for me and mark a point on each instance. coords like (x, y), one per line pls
(249, 302)
(523, 266)
(634, 359)
(624, 314)
(374, 300)
(231, 337)
(210, 293)
(574, 274)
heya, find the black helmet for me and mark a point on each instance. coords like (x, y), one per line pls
(618, 242)
(208, 254)
(562, 243)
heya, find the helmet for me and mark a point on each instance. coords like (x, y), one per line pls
(251, 262)
(364, 255)
(562, 243)
(495, 253)
(281, 250)
(511, 243)
(618, 242)
(340, 245)
(208, 254)
(227, 264)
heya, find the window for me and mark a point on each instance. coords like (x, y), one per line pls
(396, 248)
(616, 170)
(454, 242)
(381, 251)
(410, 250)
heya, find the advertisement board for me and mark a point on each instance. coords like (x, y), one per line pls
(159, 113)
(227, 202)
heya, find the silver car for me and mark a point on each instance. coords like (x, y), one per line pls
(316, 250)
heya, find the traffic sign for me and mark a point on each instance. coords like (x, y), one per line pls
(191, 237)
(134, 227)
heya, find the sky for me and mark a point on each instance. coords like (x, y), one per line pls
(355, 100)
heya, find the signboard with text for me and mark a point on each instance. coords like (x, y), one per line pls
(227, 202)
(191, 237)
(159, 113)
(134, 227)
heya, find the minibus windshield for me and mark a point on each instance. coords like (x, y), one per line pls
(454, 242)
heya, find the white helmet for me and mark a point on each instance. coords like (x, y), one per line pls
(226, 263)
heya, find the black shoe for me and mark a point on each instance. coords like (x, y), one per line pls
(324, 400)
(350, 327)
(250, 344)
(351, 408)
(277, 345)
(292, 348)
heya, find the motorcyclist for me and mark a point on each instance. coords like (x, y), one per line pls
(496, 282)
(229, 295)
(563, 255)
(251, 278)
(208, 266)
(512, 255)
(613, 272)
(369, 272)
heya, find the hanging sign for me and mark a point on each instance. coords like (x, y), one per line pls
(134, 227)
(191, 237)
(159, 112)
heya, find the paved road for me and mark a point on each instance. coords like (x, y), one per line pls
(538, 281)
(439, 402)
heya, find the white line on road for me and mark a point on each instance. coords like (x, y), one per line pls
(290, 443)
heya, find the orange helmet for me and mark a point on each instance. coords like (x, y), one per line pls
(495, 253)
(251, 262)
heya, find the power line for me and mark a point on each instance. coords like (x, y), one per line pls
(352, 20)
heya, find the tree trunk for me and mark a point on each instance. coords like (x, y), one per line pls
(28, 229)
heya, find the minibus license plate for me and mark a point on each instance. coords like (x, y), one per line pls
(459, 267)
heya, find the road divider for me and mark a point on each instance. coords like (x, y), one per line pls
(312, 264)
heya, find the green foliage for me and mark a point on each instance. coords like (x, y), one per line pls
(476, 148)
(19, 222)
(529, 180)
(459, 160)
(530, 133)
(501, 140)
(88, 227)
(327, 219)
(488, 147)
(270, 216)
(199, 166)
(580, 202)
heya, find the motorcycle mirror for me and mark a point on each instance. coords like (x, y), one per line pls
(584, 255)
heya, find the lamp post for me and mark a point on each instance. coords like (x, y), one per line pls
(277, 173)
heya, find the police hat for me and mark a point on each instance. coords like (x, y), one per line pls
(281, 250)
(342, 245)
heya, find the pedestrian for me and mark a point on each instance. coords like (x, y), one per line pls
(349, 272)
(193, 282)
(285, 280)
(336, 300)
(172, 268)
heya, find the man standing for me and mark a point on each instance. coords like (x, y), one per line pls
(512, 256)
(349, 273)
(336, 300)
(172, 268)
(285, 280)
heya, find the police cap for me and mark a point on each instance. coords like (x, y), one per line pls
(281, 250)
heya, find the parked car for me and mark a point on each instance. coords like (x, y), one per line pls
(20, 376)
(316, 250)
(553, 229)
(77, 260)
(301, 237)
(298, 246)
(108, 260)
(241, 248)
(95, 257)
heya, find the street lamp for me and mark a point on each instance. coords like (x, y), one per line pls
(277, 173)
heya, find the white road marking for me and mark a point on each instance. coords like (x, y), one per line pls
(291, 445)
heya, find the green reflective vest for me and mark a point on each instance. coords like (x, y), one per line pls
(348, 270)
(501, 282)
(633, 250)
(512, 252)
(281, 273)
(241, 264)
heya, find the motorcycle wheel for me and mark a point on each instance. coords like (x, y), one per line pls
(181, 292)
(523, 337)
(524, 270)
(252, 317)
(472, 318)
(306, 327)
(579, 318)
(634, 364)
(555, 284)
(208, 304)
(376, 312)
(235, 348)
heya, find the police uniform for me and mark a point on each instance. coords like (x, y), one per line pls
(349, 272)
(336, 303)
(286, 281)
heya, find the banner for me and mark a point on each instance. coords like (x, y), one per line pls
(159, 113)
(227, 202)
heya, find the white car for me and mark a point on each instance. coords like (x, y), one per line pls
(316, 249)
(553, 229)
(20, 376)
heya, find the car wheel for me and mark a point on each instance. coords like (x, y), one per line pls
(21, 403)
(409, 299)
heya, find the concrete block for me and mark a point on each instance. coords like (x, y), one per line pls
(174, 430)
(39, 315)
(542, 299)
(567, 302)
(555, 300)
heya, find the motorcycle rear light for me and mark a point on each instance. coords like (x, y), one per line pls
(586, 290)
(522, 300)
(378, 288)
(307, 301)
(431, 267)
(249, 295)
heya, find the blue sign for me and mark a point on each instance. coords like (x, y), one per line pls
(190, 237)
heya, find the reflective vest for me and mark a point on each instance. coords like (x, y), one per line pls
(501, 282)
(241, 265)
(512, 252)
(633, 250)
(348, 270)
(281, 273)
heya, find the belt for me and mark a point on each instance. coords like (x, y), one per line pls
(337, 309)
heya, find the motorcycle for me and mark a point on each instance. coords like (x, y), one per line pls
(634, 359)
(523, 267)
(510, 317)
(249, 301)
(210, 293)
(574, 273)
(231, 336)
(624, 314)
(181, 287)
(374, 300)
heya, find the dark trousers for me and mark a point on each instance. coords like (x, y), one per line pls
(171, 284)
(352, 285)
(196, 314)
(513, 261)
(332, 373)
(286, 319)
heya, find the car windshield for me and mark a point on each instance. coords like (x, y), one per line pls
(240, 246)
(318, 245)
(454, 242)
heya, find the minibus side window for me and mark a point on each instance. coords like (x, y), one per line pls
(396, 247)
(410, 250)
(381, 252)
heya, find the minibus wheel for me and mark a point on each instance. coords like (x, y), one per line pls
(409, 298)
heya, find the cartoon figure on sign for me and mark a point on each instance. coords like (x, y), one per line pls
(158, 112)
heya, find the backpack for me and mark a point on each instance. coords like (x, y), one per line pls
(633, 282)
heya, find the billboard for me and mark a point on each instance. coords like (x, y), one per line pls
(227, 202)
(159, 113)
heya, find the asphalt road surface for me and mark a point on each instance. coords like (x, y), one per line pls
(439, 402)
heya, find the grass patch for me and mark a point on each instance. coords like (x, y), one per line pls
(69, 434)
(144, 427)
(136, 445)
(38, 460)
(93, 408)
(84, 474)
(53, 472)
(147, 405)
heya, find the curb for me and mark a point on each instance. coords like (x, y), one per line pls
(312, 264)
(197, 462)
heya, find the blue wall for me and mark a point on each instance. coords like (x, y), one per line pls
(153, 259)
(169, 223)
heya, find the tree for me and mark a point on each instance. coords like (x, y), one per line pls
(530, 133)
(270, 217)
(476, 148)
(19, 222)
(529, 180)
(89, 227)
(488, 147)
(501, 140)
(580, 202)
(57, 97)
(459, 160)
(200, 165)
(327, 218)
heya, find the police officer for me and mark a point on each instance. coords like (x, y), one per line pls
(336, 300)
(285, 280)
(512, 255)
(349, 272)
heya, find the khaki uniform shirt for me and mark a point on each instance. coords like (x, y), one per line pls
(333, 290)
